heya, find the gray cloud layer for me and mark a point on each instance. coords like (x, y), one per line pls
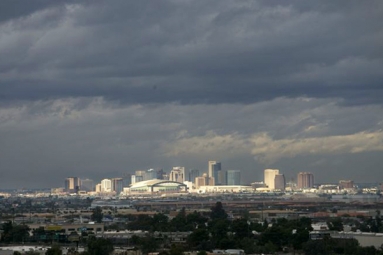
(95, 88)
(191, 52)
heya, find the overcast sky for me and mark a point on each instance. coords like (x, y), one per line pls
(98, 89)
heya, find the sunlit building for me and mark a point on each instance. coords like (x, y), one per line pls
(346, 184)
(215, 171)
(177, 174)
(106, 185)
(305, 180)
(269, 175)
(72, 184)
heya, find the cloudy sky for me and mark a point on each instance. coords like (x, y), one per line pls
(99, 89)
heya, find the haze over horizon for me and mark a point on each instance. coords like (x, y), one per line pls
(97, 89)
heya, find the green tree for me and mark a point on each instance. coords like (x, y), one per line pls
(218, 230)
(217, 212)
(179, 222)
(148, 244)
(176, 250)
(198, 239)
(241, 228)
(97, 215)
(99, 246)
(335, 224)
(54, 250)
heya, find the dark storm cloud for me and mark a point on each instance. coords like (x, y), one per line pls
(191, 51)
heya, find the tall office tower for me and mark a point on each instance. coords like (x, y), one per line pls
(160, 174)
(305, 180)
(117, 185)
(233, 177)
(177, 174)
(72, 184)
(215, 171)
(204, 180)
(106, 185)
(200, 181)
(126, 179)
(269, 177)
(133, 179)
(87, 185)
(150, 175)
(346, 184)
(140, 174)
(98, 187)
(279, 182)
(193, 173)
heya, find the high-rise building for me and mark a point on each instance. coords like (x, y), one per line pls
(204, 180)
(72, 184)
(279, 182)
(233, 177)
(150, 175)
(133, 179)
(215, 171)
(193, 173)
(160, 174)
(126, 179)
(117, 185)
(346, 184)
(200, 181)
(305, 180)
(270, 177)
(87, 185)
(177, 174)
(140, 174)
(106, 185)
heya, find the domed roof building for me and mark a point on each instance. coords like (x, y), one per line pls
(157, 186)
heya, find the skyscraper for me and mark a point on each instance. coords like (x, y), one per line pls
(215, 171)
(233, 177)
(72, 184)
(87, 185)
(177, 174)
(305, 180)
(117, 185)
(204, 180)
(270, 177)
(150, 175)
(140, 174)
(279, 182)
(106, 185)
(193, 173)
(346, 184)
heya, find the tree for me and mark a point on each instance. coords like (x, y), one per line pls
(241, 228)
(217, 212)
(99, 246)
(15, 233)
(335, 224)
(199, 239)
(54, 250)
(97, 215)
(148, 244)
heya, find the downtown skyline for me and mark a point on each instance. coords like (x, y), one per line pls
(92, 89)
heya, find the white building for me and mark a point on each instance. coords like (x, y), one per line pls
(106, 185)
(270, 177)
(177, 174)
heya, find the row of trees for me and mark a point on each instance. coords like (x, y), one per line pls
(216, 231)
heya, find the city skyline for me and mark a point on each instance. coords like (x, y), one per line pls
(94, 89)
